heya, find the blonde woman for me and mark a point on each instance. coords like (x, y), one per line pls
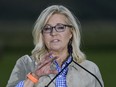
(55, 32)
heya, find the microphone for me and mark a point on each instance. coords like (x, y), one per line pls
(67, 64)
(70, 50)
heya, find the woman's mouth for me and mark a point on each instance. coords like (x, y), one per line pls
(55, 41)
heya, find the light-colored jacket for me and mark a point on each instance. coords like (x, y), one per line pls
(76, 77)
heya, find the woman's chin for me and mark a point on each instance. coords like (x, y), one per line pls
(55, 49)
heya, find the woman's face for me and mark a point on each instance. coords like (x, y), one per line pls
(54, 40)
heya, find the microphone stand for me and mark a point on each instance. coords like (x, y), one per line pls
(88, 72)
(67, 64)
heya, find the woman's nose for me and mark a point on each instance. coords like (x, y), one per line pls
(53, 32)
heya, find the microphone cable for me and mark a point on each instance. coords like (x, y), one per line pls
(70, 50)
(88, 72)
(67, 64)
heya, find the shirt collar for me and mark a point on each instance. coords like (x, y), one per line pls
(69, 59)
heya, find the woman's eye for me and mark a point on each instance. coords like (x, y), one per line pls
(60, 27)
(46, 29)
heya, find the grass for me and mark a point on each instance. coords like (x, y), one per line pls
(105, 59)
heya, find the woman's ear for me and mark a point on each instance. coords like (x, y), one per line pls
(71, 37)
(70, 41)
(70, 47)
(71, 34)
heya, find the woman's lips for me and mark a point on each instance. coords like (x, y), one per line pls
(55, 41)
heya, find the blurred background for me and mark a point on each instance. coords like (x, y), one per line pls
(98, 21)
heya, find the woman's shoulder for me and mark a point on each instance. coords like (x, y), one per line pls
(26, 62)
(25, 58)
(90, 65)
(87, 64)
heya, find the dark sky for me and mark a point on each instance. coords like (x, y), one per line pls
(84, 9)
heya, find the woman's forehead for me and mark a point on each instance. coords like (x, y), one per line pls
(57, 17)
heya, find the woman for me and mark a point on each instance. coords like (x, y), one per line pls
(55, 32)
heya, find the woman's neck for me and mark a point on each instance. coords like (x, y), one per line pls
(62, 55)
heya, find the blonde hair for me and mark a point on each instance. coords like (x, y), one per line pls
(40, 48)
